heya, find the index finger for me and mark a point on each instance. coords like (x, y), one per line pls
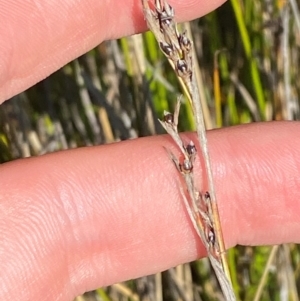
(38, 37)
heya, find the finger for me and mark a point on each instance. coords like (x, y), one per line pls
(38, 37)
(76, 220)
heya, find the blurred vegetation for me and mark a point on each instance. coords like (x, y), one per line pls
(248, 61)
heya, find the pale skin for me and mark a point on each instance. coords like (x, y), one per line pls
(80, 219)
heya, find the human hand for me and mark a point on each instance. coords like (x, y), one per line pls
(76, 220)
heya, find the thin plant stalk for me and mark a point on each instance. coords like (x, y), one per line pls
(202, 208)
(217, 91)
(288, 107)
(255, 77)
(263, 278)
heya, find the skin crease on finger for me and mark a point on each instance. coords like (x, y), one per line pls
(69, 224)
(38, 37)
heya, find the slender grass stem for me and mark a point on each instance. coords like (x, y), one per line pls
(202, 209)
